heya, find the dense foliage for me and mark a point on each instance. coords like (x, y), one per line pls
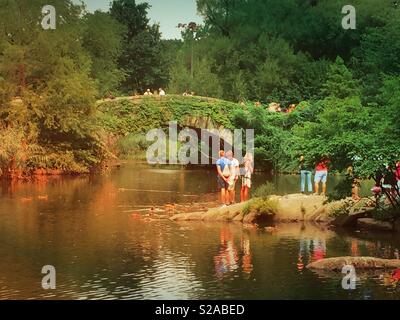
(50, 80)
(345, 83)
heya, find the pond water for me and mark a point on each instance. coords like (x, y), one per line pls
(86, 229)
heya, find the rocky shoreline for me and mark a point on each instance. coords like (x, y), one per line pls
(290, 208)
(296, 208)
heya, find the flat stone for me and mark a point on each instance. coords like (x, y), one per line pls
(336, 264)
(348, 220)
(224, 214)
(298, 207)
(239, 217)
(194, 216)
(250, 218)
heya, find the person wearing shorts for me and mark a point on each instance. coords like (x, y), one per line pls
(234, 176)
(246, 177)
(223, 174)
(321, 175)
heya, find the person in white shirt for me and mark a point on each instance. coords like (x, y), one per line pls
(235, 173)
(148, 93)
(246, 177)
(161, 92)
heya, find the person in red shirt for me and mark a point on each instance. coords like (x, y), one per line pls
(321, 175)
(397, 173)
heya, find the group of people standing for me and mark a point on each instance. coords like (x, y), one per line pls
(161, 93)
(320, 177)
(228, 173)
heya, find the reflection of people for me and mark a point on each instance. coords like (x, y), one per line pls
(224, 172)
(305, 174)
(300, 264)
(319, 249)
(247, 265)
(354, 248)
(304, 254)
(321, 175)
(227, 258)
(246, 177)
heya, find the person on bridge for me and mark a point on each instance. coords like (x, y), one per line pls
(148, 93)
(224, 172)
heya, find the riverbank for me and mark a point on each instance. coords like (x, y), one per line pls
(289, 208)
(294, 208)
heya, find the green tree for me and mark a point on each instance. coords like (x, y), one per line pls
(142, 57)
(103, 41)
(340, 82)
(50, 72)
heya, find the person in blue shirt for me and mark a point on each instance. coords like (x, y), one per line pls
(223, 174)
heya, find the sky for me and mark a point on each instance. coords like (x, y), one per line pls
(168, 13)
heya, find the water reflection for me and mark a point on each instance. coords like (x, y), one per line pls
(247, 265)
(97, 232)
(227, 259)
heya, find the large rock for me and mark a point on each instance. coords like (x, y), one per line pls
(193, 216)
(224, 214)
(337, 264)
(256, 218)
(354, 210)
(372, 224)
(299, 207)
(290, 208)
(349, 220)
(230, 213)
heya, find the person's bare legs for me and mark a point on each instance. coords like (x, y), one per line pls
(324, 188)
(232, 195)
(317, 188)
(223, 196)
(227, 197)
(246, 194)
(356, 192)
(242, 194)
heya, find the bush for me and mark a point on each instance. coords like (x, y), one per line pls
(342, 190)
(261, 206)
(264, 191)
